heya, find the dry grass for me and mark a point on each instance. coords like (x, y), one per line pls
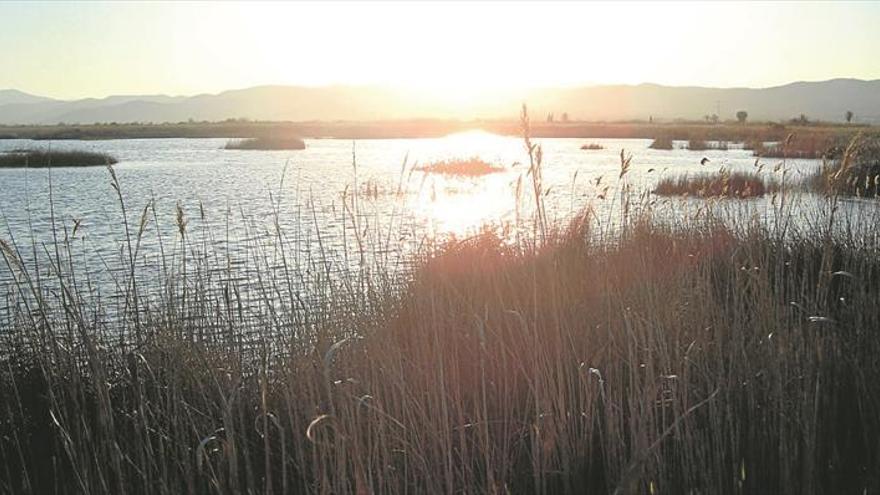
(722, 184)
(462, 167)
(805, 145)
(855, 173)
(40, 158)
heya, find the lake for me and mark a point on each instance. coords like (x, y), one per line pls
(232, 202)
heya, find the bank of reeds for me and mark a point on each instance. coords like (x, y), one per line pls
(267, 143)
(720, 184)
(41, 158)
(653, 358)
(806, 146)
(592, 147)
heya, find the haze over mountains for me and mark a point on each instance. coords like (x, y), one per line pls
(826, 100)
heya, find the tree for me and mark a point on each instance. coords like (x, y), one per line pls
(741, 116)
(565, 116)
(849, 116)
(550, 117)
(714, 118)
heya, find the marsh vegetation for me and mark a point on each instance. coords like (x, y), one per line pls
(47, 157)
(721, 184)
(644, 355)
(856, 173)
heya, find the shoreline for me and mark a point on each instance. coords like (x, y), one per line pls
(411, 129)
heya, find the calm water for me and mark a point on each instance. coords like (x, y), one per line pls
(231, 199)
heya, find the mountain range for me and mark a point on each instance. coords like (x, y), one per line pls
(823, 100)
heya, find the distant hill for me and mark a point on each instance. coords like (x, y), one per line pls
(13, 96)
(826, 100)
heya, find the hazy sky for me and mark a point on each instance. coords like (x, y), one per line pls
(73, 50)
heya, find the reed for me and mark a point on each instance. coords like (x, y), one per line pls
(856, 173)
(806, 145)
(691, 355)
(721, 184)
(42, 158)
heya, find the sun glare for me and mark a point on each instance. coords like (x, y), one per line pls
(463, 205)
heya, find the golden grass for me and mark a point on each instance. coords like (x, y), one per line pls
(856, 173)
(721, 184)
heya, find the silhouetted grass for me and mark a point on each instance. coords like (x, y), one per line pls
(267, 143)
(723, 184)
(464, 167)
(592, 147)
(39, 158)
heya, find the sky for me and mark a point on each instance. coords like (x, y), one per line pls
(73, 50)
